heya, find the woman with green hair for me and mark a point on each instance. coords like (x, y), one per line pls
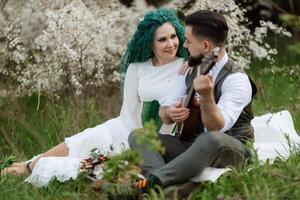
(149, 69)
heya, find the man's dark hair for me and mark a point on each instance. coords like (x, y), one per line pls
(208, 24)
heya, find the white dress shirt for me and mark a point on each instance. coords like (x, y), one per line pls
(236, 93)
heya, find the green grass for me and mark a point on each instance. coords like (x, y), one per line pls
(26, 131)
(278, 181)
(277, 91)
(15, 188)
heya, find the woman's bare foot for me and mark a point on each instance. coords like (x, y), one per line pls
(17, 164)
(15, 169)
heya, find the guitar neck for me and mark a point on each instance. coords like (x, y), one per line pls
(189, 132)
(191, 89)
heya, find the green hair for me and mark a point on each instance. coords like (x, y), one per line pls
(139, 48)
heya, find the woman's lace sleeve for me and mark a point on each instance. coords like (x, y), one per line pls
(131, 107)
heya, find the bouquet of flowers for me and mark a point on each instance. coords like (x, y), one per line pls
(92, 166)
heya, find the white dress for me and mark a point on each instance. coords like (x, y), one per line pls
(143, 83)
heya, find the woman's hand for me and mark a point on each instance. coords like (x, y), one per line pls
(178, 113)
(183, 69)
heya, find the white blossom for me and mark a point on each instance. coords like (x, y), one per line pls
(242, 44)
(53, 46)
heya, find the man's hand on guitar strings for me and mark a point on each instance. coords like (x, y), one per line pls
(203, 85)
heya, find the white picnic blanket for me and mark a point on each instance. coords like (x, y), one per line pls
(273, 132)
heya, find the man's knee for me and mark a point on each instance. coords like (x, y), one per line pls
(228, 151)
(211, 139)
(132, 139)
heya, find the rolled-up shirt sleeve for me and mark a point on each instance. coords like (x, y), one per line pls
(236, 94)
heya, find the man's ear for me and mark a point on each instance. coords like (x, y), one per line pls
(206, 46)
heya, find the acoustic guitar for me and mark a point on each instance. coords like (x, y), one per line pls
(186, 130)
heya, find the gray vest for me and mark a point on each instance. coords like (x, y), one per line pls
(242, 129)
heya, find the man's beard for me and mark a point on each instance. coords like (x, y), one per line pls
(195, 61)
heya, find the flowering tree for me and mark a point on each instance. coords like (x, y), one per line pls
(71, 52)
(242, 44)
(50, 47)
